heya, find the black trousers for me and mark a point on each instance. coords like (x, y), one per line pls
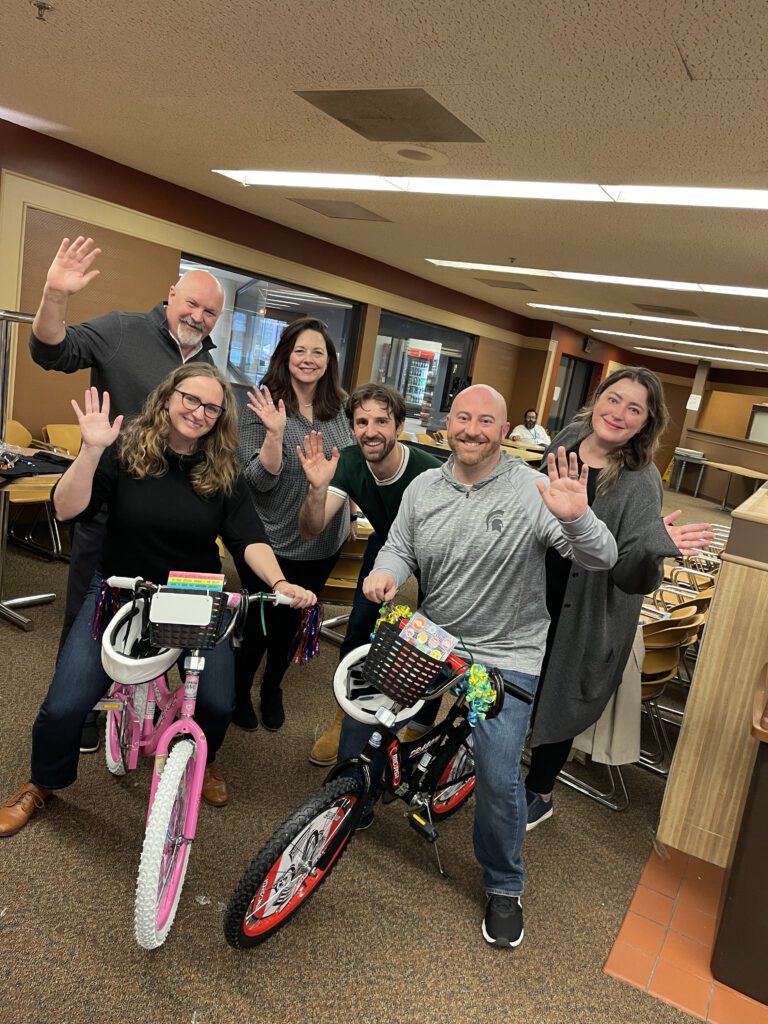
(87, 541)
(281, 623)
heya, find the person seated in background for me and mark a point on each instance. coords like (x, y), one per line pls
(529, 430)
(171, 486)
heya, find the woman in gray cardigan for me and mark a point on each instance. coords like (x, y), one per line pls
(594, 615)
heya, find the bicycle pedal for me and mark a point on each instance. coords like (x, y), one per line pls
(425, 828)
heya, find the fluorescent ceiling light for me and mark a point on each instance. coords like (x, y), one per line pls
(635, 282)
(662, 195)
(665, 195)
(648, 319)
(713, 359)
(573, 191)
(677, 341)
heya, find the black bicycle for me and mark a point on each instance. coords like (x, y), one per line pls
(382, 684)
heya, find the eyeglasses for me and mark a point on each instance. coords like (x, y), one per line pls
(192, 402)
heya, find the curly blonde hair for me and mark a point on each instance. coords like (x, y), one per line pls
(144, 439)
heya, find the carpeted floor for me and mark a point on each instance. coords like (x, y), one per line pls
(386, 940)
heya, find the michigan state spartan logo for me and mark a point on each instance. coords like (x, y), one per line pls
(495, 520)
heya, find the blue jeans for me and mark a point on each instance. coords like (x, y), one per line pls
(79, 681)
(500, 808)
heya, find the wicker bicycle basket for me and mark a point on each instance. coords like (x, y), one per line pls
(398, 669)
(173, 634)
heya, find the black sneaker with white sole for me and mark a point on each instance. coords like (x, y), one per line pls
(503, 921)
(89, 738)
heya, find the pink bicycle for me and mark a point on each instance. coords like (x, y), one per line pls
(145, 717)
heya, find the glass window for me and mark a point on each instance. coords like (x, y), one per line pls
(427, 364)
(256, 309)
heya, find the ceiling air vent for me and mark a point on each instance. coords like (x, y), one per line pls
(392, 115)
(339, 209)
(663, 310)
(516, 286)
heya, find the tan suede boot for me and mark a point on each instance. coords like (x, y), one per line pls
(326, 747)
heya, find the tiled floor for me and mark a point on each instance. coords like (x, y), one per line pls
(665, 943)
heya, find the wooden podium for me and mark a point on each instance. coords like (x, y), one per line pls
(715, 754)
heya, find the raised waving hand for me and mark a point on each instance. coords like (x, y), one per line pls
(96, 430)
(71, 268)
(566, 496)
(317, 468)
(272, 415)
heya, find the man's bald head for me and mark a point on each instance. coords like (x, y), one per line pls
(195, 303)
(475, 426)
(481, 396)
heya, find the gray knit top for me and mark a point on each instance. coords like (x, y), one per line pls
(278, 497)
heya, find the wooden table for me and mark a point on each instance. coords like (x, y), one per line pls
(750, 474)
(526, 454)
(25, 489)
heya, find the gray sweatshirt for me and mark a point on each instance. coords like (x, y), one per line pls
(480, 550)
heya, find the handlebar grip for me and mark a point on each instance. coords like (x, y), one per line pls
(123, 582)
(517, 691)
(282, 598)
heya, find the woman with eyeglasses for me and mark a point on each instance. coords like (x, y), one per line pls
(300, 392)
(170, 481)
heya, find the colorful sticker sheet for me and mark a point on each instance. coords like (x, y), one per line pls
(428, 637)
(196, 581)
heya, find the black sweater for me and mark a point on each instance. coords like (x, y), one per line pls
(159, 524)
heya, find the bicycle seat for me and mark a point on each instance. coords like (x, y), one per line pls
(126, 654)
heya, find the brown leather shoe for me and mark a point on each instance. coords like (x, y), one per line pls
(19, 808)
(214, 786)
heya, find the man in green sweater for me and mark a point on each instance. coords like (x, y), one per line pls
(373, 473)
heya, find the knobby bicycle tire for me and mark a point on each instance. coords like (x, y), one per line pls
(284, 875)
(165, 854)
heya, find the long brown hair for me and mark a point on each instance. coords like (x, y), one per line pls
(144, 439)
(329, 395)
(639, 450)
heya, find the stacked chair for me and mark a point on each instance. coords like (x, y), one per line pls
(672, 619)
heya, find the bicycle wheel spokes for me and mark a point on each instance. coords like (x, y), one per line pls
(296, 874)
(293, 864)
(173, 859)
(456, 781)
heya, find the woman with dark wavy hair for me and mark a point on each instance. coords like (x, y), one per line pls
(300, 393)
(594, 615)
(171, 486)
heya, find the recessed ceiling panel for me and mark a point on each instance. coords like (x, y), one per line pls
(516, 286)
(340, 210)
(392, 115)
(663, 310)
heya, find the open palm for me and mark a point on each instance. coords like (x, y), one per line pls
(96, 430)
(271, 414)
(71, 268)
(317, 469)
(566, 496)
